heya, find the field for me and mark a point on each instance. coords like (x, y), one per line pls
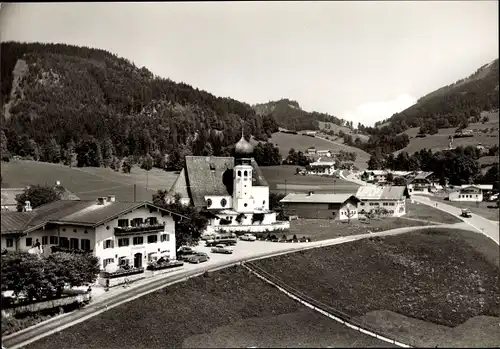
(228, 308)
(428, 213)
(442, 277)
(286, 141)
(484, 209)
(336, 128)
(277, 175)
(87, 182)
(440, 140)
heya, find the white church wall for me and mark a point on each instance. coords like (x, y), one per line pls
(261, 197)
(217, 202)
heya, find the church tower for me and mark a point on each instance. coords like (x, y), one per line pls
(243, 201)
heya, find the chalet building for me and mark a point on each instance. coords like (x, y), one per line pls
(116, 232)
(8, 196)
(325, 153)
(423, 182)
(321, 167)
(326, 206)
(392, 198)
(374, 176)
(231, 192)
(468, 193)
(485, 188)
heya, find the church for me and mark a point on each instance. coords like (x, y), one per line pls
(231, 191)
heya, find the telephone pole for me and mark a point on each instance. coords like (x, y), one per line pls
(134, 193)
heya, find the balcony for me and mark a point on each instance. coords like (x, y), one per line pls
(143, 228)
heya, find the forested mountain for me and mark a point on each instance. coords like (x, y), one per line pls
(452, 105)
(63, 101)
(290, 115)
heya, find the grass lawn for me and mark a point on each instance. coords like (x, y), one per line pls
(277, 175)
(485, 209)
(286, 141)
(440, 275)
(87, 182)
(428, 213)
(323, 229)
(229, 308)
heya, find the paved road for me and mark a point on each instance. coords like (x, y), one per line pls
(243, 251)
(481, 224)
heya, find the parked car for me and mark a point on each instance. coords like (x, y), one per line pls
(248, 237)
(185, 250)
(198, 258)
(466, 213)
(226, 240)
(207, 236)
(221, 249)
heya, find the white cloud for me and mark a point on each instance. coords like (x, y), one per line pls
(371, 112)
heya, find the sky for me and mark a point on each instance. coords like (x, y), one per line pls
(361, 61)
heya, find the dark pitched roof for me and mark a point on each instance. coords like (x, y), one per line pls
(210, 175)
(15, 222)
(83, 212)
(180, 186)
(319, 198)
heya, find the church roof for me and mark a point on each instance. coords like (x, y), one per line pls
(210, 176)
(243, 147)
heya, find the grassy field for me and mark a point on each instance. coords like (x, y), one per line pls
(336, 128)
(228, 308)
(439, 276)
(87, 182)
(287, 141)
(440, 140)
(277, 175)
(484, 209)
(428, 213)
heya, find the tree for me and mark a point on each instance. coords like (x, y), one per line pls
(37, 195)
(51, 151)
(147, 163)
(4, 151)
(399, 181)
(187, 230)
(88, 153)
(175, 162)
(126, 166)
(375, 163)
(108, 152)
(390, 177)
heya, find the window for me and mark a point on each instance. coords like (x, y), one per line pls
(138, 240)
(264, 202)
(10, 242)
(209, 202)
(107, 261)
(164, 237)
(152, 239)
(53, 240)
(108, 244)
(223, 202)
(136, 222)
(45, 240)
(239, 173)
(392, 204)
(29, 242)
(85, 244)
(245, 173)
(123, 242)
(245, 204)
(152, 220)
(123, 223)
(73, 243)
(362, 204)
(64, 242)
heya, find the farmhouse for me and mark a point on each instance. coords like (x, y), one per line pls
(390, 198)
(231, 192)
(116, 232)
(423, 182)
(9, 202)
(310, 205)
(467, 193)
(326, 153)
(321, 167)
(374, 176)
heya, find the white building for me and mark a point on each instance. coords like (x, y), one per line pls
(116, 232)
(391, 198)
(320, 167)
(232, 192)
(468, 193)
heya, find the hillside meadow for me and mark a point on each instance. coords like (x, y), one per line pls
(441, 140)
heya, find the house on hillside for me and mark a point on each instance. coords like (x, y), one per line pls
(311, 151)
(392, 198)
(231, 192)
(374, 176)
(324, 153)
(468, 193)
(9, 202)
(331, 206)
(322, 166)
(124, 233)
(423, 182)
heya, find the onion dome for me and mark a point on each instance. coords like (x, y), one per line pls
(243, 147)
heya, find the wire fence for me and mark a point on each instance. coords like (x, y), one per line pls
(348, 320)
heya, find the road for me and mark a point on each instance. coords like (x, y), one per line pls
(243, 251)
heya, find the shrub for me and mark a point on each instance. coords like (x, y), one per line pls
(240, 217)
(257, 217)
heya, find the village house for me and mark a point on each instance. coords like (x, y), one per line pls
(423, 183)
(321, 167)
(326, 206)
(231, 192)
(391, 198)
(469, 193)
(8, 196)
(311, 152)
(324, 153)
(116, 232)
(374, 176)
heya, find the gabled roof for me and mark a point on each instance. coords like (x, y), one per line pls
(423, 175)
(480, 186)
(369, 192)
(319, 198)
(210, 176)
(9, 196)
(83, 212)
(15, 222)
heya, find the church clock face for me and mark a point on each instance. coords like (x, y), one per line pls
(223, 202)
(209, 202)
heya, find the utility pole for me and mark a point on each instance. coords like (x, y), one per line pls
(134, 192)
(334, 185)
(285, 187)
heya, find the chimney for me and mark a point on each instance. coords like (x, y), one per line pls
(101, 200)
(27, 206)
(111, 198)
(310, 193)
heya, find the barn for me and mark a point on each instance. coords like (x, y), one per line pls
(323, 206)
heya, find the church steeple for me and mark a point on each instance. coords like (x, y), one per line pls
(243, 149)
